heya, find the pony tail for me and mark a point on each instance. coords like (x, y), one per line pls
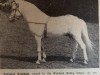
(87, 41)
(90, 45)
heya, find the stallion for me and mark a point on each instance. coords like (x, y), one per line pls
(38, 21)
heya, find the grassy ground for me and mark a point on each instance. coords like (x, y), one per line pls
(18, 48)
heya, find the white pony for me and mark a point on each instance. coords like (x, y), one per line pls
(36, 20)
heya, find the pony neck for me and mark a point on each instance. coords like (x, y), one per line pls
(34, 11)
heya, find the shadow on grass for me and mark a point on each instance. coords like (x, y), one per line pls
(33, 59)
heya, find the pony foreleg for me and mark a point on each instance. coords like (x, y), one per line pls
(38, 39)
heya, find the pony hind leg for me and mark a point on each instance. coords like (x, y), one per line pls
(43, 53)
(76, 47)
(83, 47)
(44, 56)
(74, 53)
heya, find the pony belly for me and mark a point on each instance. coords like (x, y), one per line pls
(57, 25)
(56, 29)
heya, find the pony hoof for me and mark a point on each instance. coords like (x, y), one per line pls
(71, 60)
(43, 60)
(85, 62)
(38, 62)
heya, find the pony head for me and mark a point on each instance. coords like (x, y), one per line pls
(15, 13)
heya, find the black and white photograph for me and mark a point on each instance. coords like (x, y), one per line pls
(49, 34)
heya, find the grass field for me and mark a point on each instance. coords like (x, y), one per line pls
(18, 47)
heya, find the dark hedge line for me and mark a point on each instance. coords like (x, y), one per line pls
(85, 9)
